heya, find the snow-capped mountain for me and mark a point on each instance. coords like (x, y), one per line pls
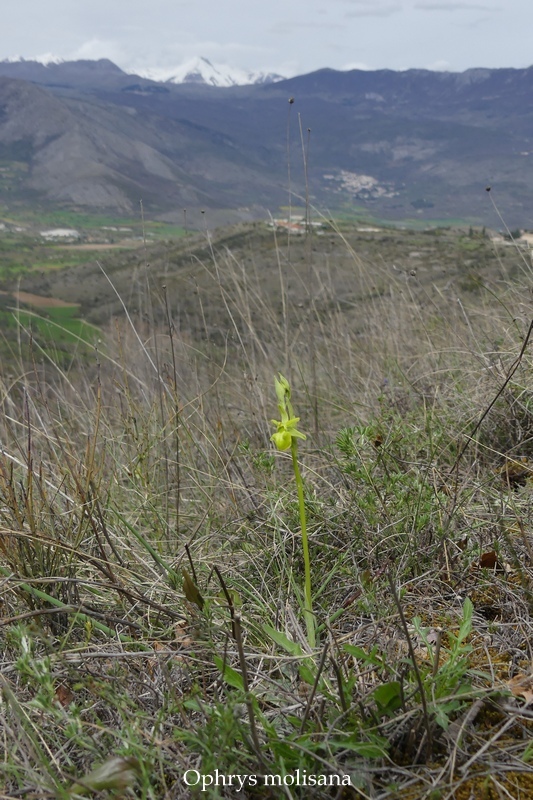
(201, 70)
(45, 59)
(195, 70)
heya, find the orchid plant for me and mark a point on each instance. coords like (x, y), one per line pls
(285, 437)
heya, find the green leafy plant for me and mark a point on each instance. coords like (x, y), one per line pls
(445, 681)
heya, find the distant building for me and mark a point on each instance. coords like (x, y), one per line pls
(295, 225)
(61, 234)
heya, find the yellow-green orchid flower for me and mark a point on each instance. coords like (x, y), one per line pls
(286, 432)
(286, 426)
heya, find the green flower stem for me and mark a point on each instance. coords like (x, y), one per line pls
(308, 608)
(286, 436)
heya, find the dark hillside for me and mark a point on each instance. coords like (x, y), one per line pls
(436, 266)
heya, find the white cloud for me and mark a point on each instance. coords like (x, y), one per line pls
(291, 27)
(370, 5)
(356, 65)
(438, 5)
(374, 10)
(440, 66)
(98, 48)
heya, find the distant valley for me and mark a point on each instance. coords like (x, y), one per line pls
(414, 145)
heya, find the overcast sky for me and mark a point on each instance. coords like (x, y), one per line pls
(287, 36)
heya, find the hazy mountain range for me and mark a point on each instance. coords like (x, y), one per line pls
(398, 144)
(196, 70)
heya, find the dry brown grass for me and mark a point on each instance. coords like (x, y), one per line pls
(116, 476)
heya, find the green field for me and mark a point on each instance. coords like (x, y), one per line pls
(23, 251)
(54, 333)
(38, 218)
(57, 325)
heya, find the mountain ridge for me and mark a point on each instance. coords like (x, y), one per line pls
(199, 70)
(391, 144)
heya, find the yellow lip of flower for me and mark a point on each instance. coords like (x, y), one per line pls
(286, 432)
(282, 440)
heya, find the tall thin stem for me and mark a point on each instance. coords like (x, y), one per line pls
(308, 601)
